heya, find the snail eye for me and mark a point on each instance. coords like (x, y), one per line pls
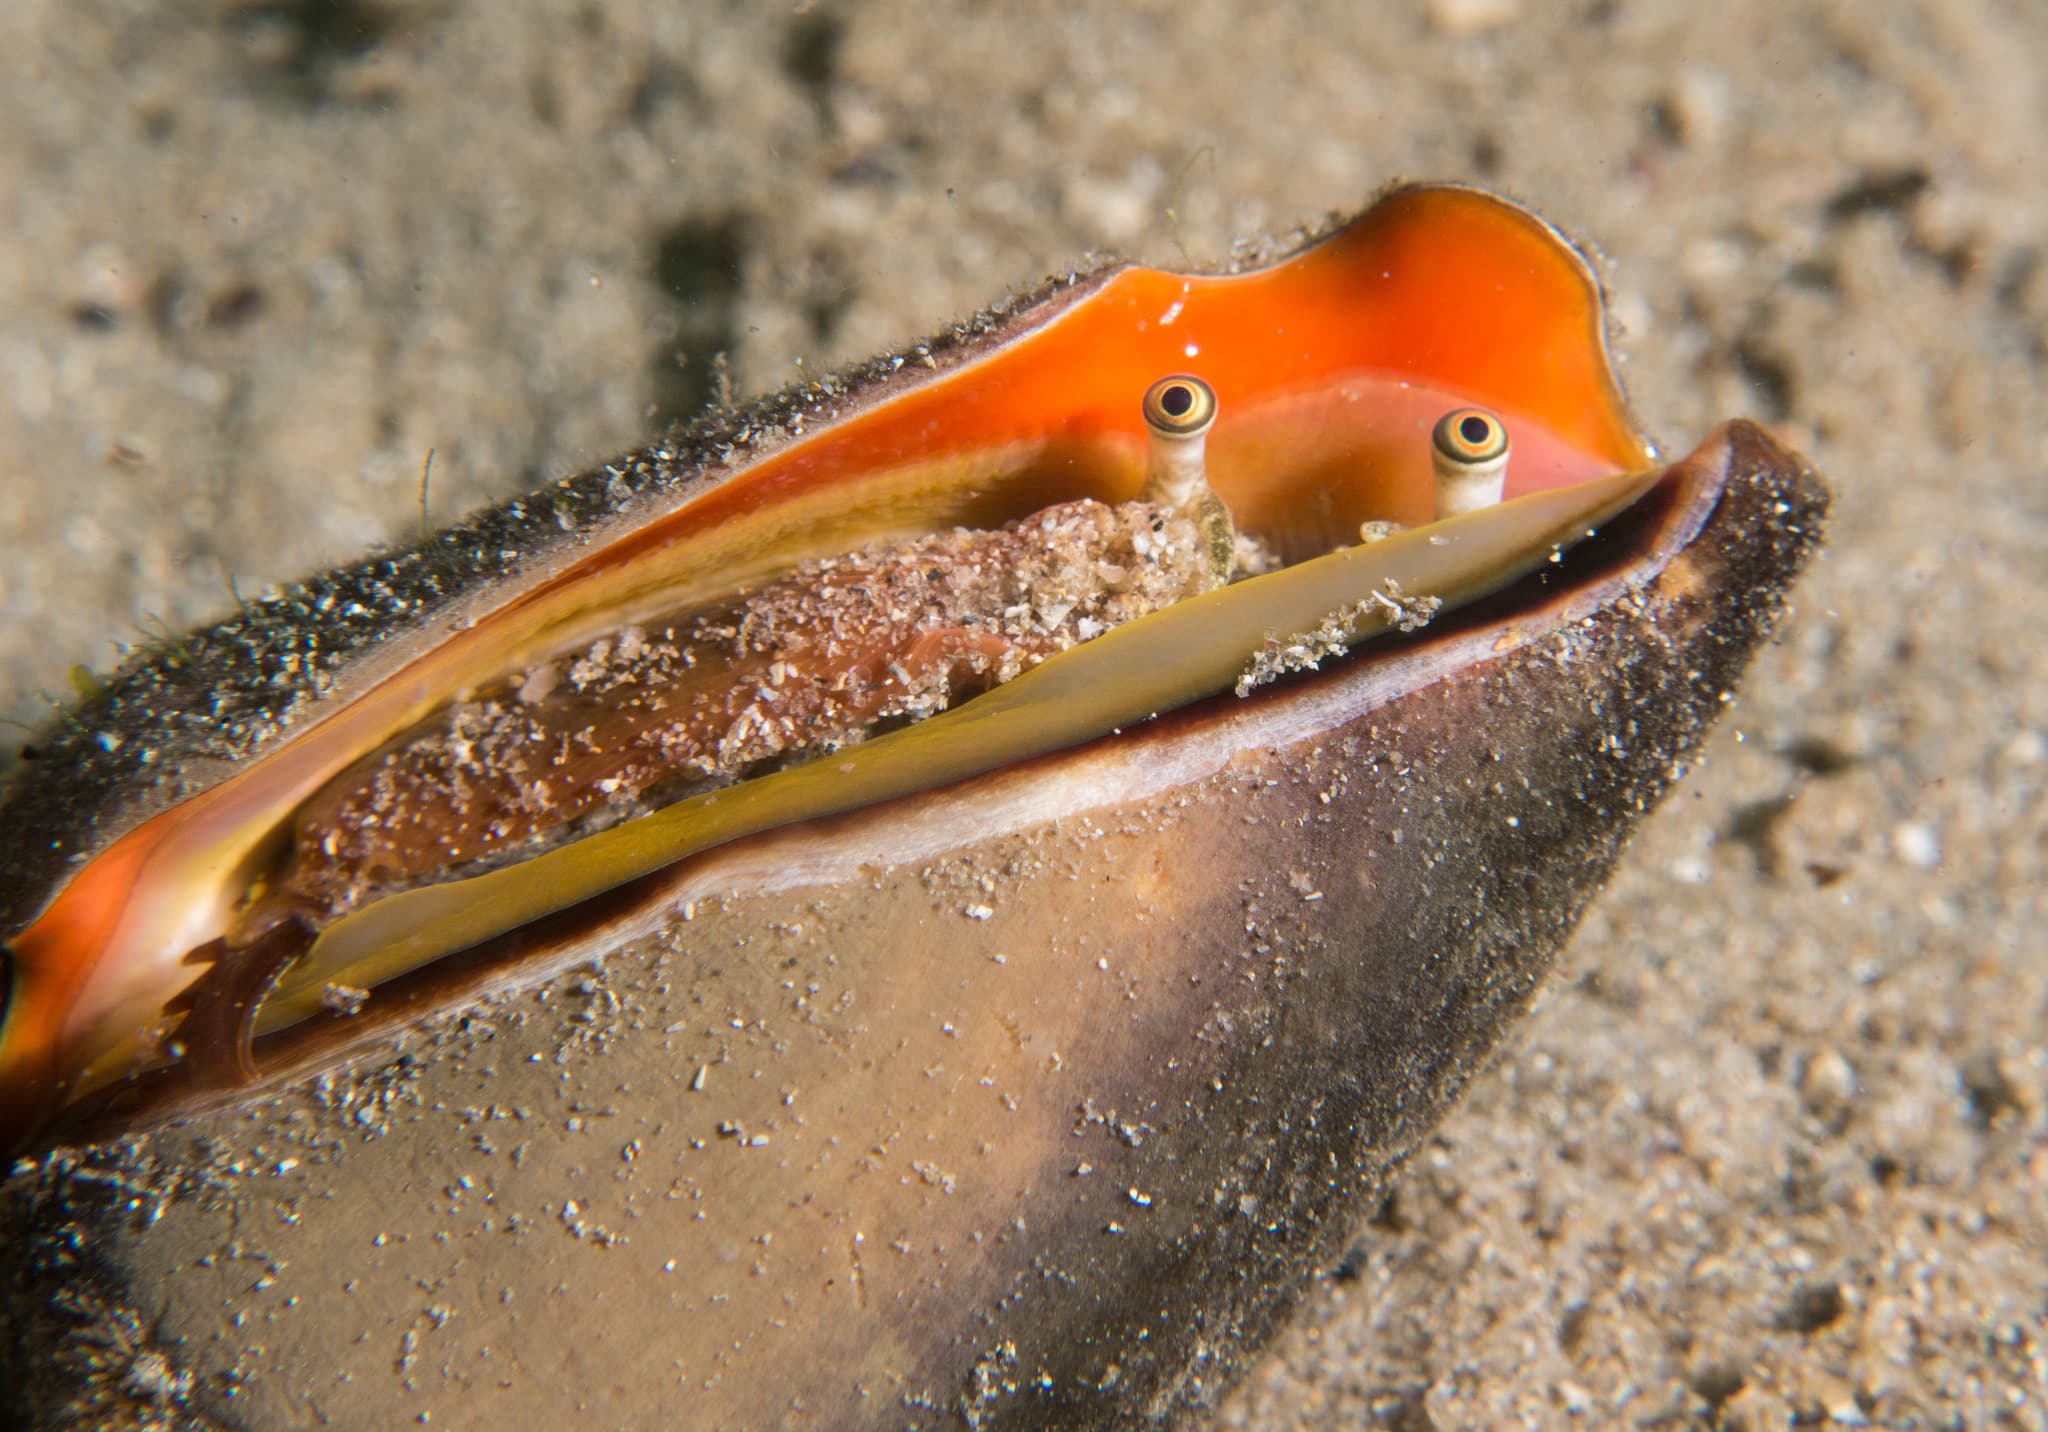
(1180, 406)
(1469, 437)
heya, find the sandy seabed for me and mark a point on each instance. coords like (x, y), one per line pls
(1774, 1145)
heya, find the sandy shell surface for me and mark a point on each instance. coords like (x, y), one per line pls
(1775, 1144)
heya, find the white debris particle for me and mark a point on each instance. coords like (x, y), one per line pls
(978, 912)
(934, 1176)
(1691, 870)
(1462, 18)
(1306, 651)
(337, 998)
(2026, 749)
(1917, 844)
(1303, 885)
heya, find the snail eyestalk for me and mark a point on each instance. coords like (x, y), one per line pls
(1179, 410)
(1468, 451)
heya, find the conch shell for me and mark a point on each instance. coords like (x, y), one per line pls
(1079, 867)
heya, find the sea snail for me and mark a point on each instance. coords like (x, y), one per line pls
(938, 896)
(536, 759)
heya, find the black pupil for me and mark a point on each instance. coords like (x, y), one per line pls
(1177, 400)
(1474, 429)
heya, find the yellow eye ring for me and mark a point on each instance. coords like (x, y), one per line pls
(1180, 406)
(1470, 437)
